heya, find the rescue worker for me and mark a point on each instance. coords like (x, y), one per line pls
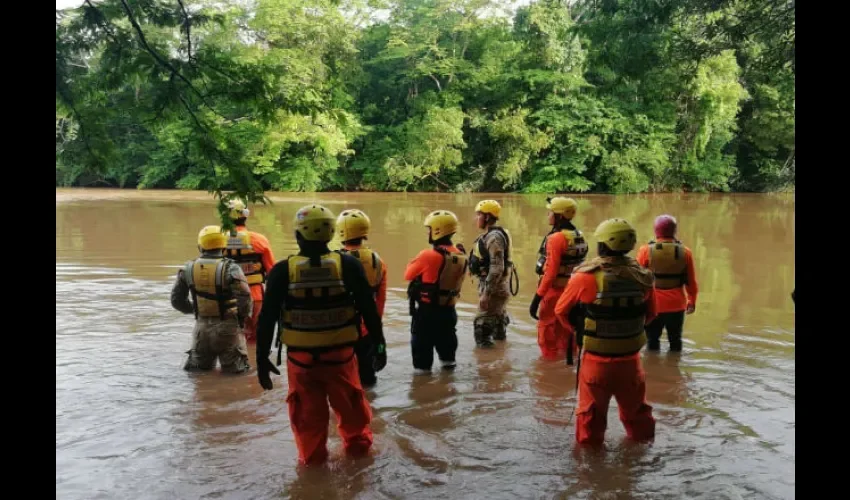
(253, 252)
(616, 298)
(221, 302)
(436, 276)
(319, 296)
(489, 260)
(353, 227)
(675, 283)
(561, 251)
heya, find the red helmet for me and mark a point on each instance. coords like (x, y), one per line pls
(665, 226)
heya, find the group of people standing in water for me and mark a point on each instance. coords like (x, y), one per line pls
(327, 307)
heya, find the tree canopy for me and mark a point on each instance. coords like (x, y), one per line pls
(238, 98)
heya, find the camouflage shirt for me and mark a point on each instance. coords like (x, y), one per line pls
(498, 274)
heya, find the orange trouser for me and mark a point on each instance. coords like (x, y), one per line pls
(600, 378)
(551, 336)
(311, 387)
(250, 328)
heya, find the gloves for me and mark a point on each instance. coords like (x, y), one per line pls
(379, 360)
(534, 305)
(264, 369)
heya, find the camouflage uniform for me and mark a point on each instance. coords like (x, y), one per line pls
(213, 337)
(491, 323)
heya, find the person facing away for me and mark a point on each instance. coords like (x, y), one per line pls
(221, 302)
(319, 297)
(253, 252)
(436, 277)
(353, 228)
(676, 287)
(616, 299)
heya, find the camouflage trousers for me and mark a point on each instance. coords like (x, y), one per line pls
(492, 323)
(213, 338)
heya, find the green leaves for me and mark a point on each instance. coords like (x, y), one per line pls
(432, 95)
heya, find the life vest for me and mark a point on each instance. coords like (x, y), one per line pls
(446, 290)
(239, 249)
(573, 256)
(318, 312)
(211, 297)
(614, 321)
(667, 261)
(479, 257)
(372, 264)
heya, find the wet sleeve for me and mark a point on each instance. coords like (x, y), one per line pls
(354, 278)
(643, 256)
(496, 249)
(381, 299)
(568, 300)
(267, 255)
(416, 267)
(651, 309)
(241, 291)
(555, 246)
(276, 286)
(180, 295)
(691, 287)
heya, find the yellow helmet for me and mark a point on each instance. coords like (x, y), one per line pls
(315, 223)
(352, 224)
(566, 207)
(211, 238)
(238, 209)
(442, 223)
(617, 234)
(491, 207)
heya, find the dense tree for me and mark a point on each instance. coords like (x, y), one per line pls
(598, 95)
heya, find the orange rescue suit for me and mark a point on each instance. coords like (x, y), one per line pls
(261, 246)
(603, 376)
(551, 335)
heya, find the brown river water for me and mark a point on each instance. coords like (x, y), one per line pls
(130, 423)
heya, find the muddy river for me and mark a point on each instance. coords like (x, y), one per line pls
(130, 423)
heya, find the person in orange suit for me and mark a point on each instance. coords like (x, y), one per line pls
(562, 250)
(616, 298)
(353, 227)
(675, 283)
(253, 252)
(436, 276)
(320, 296)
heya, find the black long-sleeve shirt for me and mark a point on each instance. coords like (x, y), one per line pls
(277, 285)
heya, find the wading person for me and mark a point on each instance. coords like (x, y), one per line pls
(319, 297)
(676, 288)
(436, 276)
(253, 253)
(562, 250)
(617, 299)
(353, 228)
(221, 302)
(489, 261)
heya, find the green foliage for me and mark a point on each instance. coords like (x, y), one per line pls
(237, 98)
